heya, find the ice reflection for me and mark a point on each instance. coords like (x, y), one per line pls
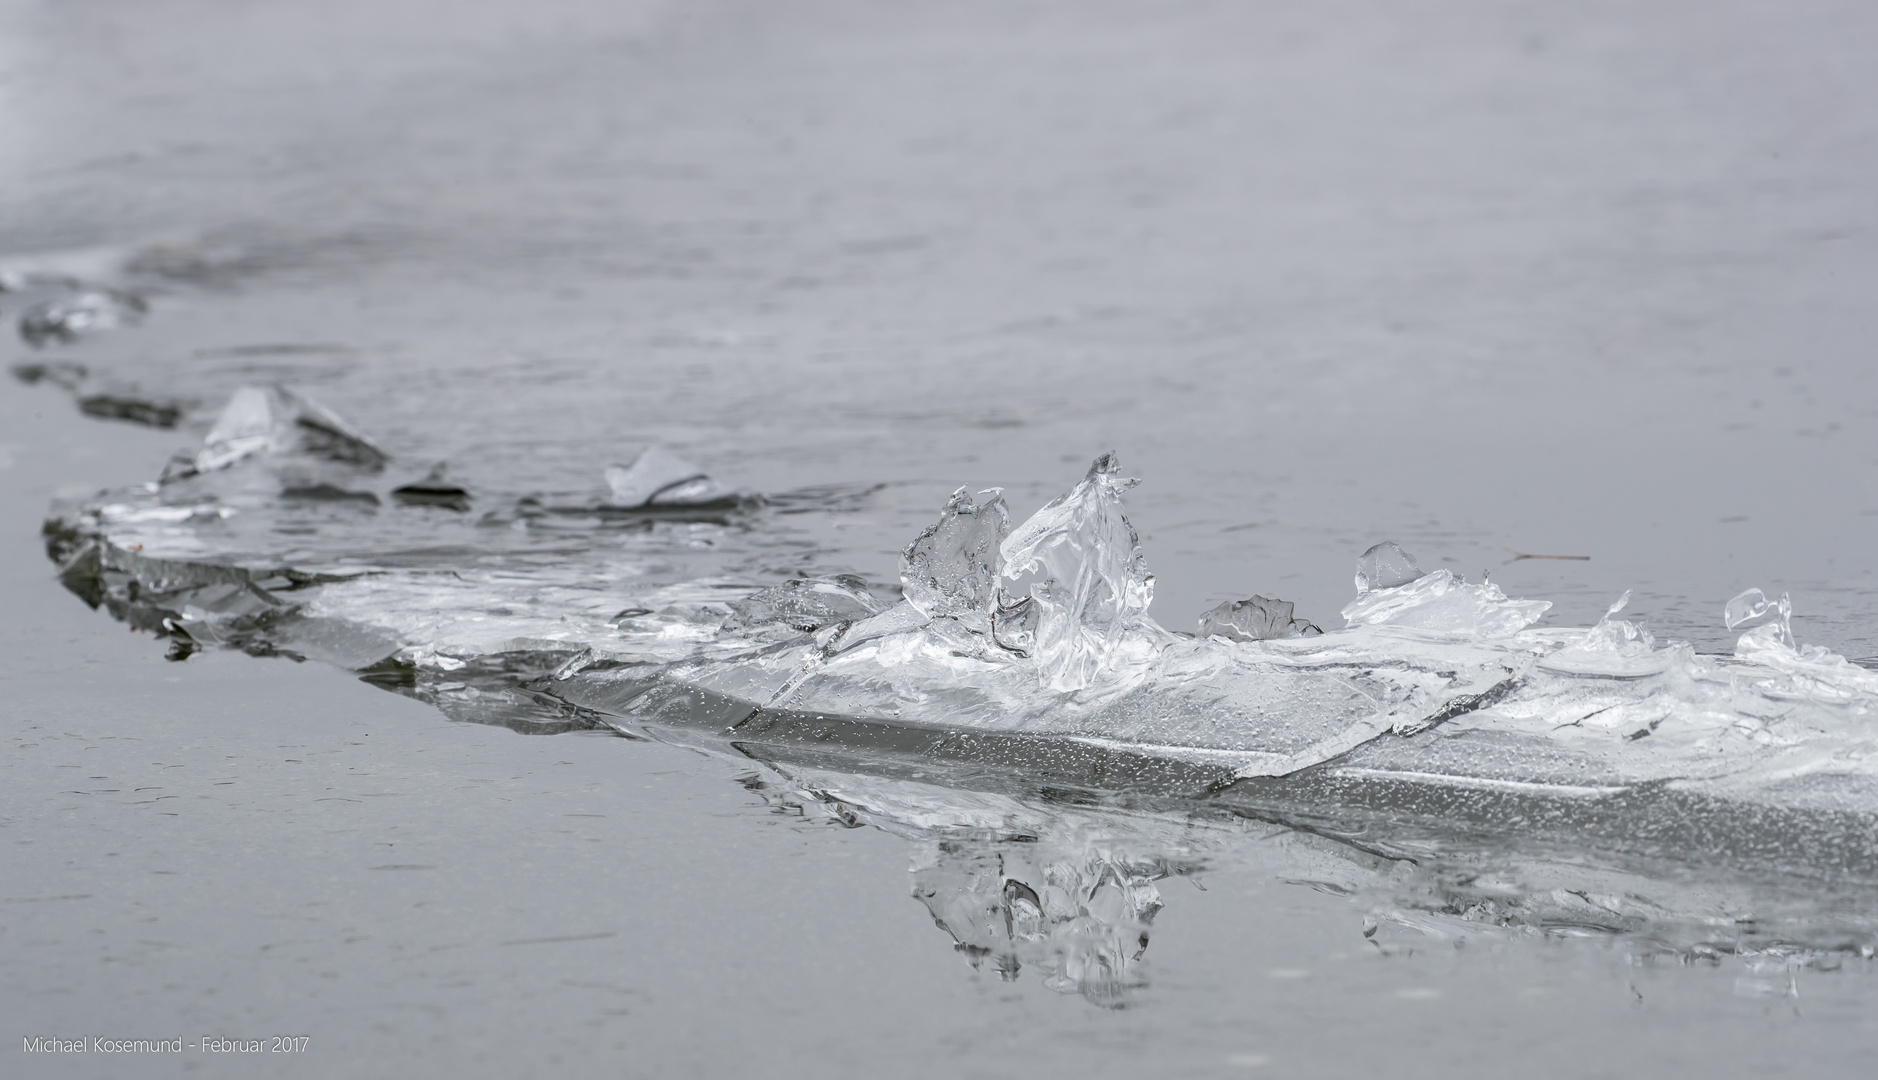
(1067, 885)
(1077, 914)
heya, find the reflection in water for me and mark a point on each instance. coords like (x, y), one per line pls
(1065, 884)
(1080, 918)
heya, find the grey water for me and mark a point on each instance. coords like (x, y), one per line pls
(1489, 280)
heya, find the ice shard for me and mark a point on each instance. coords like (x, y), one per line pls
(1074, 581)
(273, 420)
(658, 477)
(1257, 619)
(1385, 566)
(1614, 648)
(950, 570)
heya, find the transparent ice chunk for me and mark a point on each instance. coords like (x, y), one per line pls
(951, 570)
(805, 604)
(1811, 669)
(658, 477)
(1753, 606)
(1772, 623)
(1257, 619)
(1443, 603)
(1385, 566)
(249, 424)
(66, 319)
(270, 420)
(1614, 648)
(1074, 581)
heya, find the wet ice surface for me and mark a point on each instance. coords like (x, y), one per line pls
(663, 446)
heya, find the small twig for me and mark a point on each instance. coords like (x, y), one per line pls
(1518, 555)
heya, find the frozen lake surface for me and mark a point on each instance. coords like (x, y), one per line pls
(584, 371)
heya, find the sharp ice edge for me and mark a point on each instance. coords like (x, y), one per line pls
(262, 420)
(1045, 631)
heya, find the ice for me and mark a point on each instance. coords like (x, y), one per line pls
(1385, 566)
(433, 490)
(1810, 670)
(1257, 619)
(805, 604)
(69, 374)
(1392, 591)
(658, 477)
(249, 424)
(951, 569)
(1752, 606)
(1613, 648)
(1074, 581)
(271, 420)
(66, 319)
(1080, 915)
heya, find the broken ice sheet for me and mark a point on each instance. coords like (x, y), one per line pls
(1257, 619)
(951, 569)
(64, 320)
(658, 477)
(1392, 591)
(1074, 581)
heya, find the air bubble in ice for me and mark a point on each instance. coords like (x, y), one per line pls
(1257, 619)
(951, 570)
(658, 477)
(1075, 568)
(66, 319)
(1385, 566)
